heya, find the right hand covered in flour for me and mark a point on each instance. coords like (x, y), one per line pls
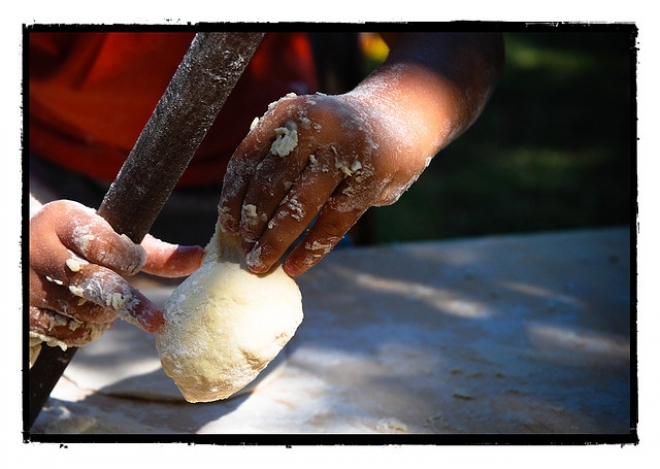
(326, 156)
(330, 158)
(77, 264)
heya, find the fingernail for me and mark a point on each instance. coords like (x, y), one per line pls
(254, 262)
(145, 313)
(151, 320)
(227, 229)
(226, 221)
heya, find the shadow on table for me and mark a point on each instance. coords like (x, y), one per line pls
(103, 414)
(524, 334)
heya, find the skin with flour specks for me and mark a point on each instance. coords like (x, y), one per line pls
(224, 324)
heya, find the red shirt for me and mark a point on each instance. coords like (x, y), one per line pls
(92, 93)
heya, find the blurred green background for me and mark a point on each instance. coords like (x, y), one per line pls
(553, 149)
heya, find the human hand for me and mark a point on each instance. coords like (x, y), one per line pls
(76, 266)
(330, 157)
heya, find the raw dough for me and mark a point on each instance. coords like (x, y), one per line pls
(285, 142)
(224, 324)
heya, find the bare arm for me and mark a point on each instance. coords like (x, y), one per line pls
(356, 150)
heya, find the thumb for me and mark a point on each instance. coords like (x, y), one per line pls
(170, 260)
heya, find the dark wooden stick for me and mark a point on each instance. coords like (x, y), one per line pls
(184, 114)
(198, 90)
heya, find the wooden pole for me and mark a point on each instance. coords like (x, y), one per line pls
(198, 90)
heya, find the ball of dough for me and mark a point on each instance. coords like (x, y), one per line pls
(224, 324)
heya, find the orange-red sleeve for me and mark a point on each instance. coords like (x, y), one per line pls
(91, 93)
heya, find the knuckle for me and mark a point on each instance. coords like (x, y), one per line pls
(331, 231)
(50, 324)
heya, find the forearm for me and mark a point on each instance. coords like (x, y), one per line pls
(435, 85)
(353, 151)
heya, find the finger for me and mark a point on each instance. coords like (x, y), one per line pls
(95, 240)
(52, 296)
(293, 216)
(57, 232)
(79, 229)
(272, 180)
(240, 170)
(170, 260)
(246, 159)
(107, 288)
(73, 333)
(348, 203)
(328, 230)
(53, 267)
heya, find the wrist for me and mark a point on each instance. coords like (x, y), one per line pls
(437, 84)
(409, 111)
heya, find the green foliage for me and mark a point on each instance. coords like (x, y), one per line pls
(553, 149)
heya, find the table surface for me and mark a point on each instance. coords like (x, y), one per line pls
(524, 334)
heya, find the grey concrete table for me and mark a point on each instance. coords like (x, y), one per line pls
(524, 334)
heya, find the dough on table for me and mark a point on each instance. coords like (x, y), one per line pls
(224, 324)
(124, 363)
